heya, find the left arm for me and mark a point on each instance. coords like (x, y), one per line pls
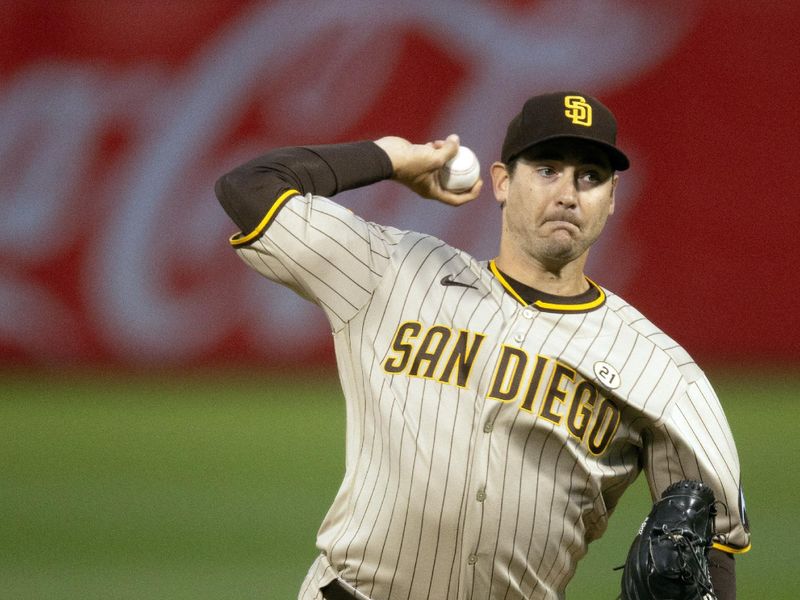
(695, 442)
(722, 567)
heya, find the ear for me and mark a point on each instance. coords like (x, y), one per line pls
(614, 182)
(500, 181)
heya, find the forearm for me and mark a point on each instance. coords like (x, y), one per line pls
(723, 574)
(247, 192)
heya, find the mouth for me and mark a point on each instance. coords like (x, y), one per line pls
(563, 223)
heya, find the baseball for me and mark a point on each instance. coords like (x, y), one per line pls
(461, 172)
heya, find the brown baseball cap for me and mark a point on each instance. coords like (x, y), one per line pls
(563, 115)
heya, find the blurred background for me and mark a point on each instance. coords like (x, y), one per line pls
(171, 425)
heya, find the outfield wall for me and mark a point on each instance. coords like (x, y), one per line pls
(116, 118)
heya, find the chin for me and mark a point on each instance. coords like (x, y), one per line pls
(561, 252)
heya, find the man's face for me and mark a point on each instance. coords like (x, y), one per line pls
(556, 202)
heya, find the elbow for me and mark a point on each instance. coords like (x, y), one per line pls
(248, 191)
(230, 192)
(225, 188)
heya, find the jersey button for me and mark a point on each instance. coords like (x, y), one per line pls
(488, 427)
(481, 495)
(519, 337)
(472, 559)
(527, 313)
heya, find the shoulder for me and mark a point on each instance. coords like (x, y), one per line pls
(320, 213)
(319, 216)
(632, 318)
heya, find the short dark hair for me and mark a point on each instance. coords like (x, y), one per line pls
(511, 165)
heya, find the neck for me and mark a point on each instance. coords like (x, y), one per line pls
(565, 279)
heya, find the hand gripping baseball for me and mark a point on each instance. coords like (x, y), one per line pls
(417, 167)
(669, 557)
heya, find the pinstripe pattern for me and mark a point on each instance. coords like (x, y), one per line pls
(492, 489)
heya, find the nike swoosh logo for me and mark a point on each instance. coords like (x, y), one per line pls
(448, 280)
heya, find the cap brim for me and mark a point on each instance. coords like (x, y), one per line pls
(616, 157)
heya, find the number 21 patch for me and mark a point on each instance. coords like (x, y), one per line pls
(606, 375)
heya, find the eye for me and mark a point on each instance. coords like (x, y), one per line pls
(593, 176)
(546, 171)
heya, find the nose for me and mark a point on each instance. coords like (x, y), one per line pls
(568, 193)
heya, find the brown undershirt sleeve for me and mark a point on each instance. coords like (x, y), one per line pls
(723, 574)
(247, 192)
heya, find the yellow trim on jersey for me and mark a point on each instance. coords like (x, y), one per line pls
(577, 307)
(730, 549)
(236, 240)
(601, 298)
(502, 280)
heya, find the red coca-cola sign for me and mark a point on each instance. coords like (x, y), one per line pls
(116, 119)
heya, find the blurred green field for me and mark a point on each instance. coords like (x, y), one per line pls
(213, 486)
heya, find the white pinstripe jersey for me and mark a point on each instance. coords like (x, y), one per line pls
(487, 441)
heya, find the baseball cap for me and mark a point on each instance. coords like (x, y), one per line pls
(563, 115)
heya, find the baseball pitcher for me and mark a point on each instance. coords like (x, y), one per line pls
(497, 409)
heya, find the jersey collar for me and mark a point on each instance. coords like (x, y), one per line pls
(593, 298)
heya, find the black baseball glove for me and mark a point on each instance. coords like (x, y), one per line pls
(668, 559)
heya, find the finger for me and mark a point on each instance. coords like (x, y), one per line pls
(448, 147)
(459, 198)
(453, 138)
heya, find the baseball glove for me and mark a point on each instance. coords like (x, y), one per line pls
(668, 559)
